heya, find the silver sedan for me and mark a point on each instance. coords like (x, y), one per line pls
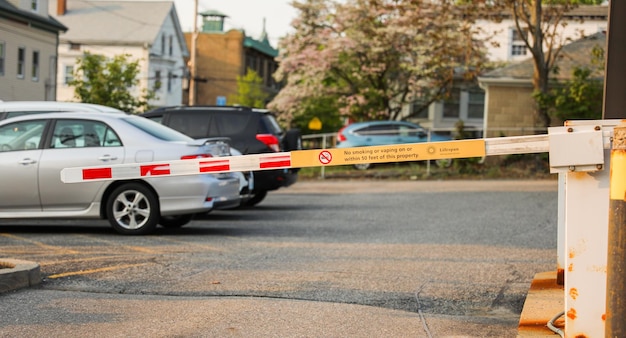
(35, 148)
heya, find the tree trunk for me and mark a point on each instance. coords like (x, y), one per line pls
(541, 71)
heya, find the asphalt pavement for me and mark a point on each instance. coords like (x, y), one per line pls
(51, 313)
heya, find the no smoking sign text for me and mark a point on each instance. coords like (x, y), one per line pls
(389, 153)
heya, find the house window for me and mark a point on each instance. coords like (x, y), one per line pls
(68, 75)
(163, 44)
(451, 106)
(21, 60)
(518, 46)
(35, 67)
(74, 46)
(171, 45)
(157, 80)
(34, 5)
(476, 106)
(170, 77)
(2, 58)
(419, 110)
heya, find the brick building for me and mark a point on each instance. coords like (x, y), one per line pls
(222, 56)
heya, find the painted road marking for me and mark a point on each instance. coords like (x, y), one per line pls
(90, 271)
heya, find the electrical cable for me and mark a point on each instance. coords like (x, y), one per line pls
(554, 328)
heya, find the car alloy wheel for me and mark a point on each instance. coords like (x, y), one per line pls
(132, 209)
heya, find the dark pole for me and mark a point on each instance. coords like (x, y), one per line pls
(615, 67)
(615, 108)
(616, 263)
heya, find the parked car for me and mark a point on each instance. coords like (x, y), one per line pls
(35, 148)
(377, 133)
(17, 108)
(10, 109)
(251, 131)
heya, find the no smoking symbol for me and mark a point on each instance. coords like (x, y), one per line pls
(325, 157)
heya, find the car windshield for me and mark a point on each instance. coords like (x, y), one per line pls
(157, 130)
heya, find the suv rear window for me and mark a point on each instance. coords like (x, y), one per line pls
(231, 123)
(190, 123)
(271, 125)
(156, 129)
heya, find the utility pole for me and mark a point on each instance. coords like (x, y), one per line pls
(614, 85)
(194, 41)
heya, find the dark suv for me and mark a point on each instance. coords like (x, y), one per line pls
(251, 131)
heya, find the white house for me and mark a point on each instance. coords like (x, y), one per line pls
(507, 44)
(28, 50)
(149, 31)
(467, 103)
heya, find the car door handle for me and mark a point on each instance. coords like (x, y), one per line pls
(27, 161)
(106, 158)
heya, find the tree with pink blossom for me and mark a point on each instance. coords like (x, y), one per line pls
(374, 56)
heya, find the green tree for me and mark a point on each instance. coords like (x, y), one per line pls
(250, 91)
(101, 80)
(581, 97)
(325, 109)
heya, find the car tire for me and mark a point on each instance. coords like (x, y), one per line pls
(363, 166)
(292, 140)
(133, 209)
(256, 198)
(175, 221)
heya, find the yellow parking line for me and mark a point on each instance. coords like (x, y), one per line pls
(40, 244)
(114, 243)
(86, 272)
(82, 259)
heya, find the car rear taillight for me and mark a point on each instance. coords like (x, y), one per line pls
(340, 136)
(269, 140)
(195, 156)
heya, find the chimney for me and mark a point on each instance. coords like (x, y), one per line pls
(61, 7)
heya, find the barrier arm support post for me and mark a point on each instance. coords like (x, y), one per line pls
(616, 256)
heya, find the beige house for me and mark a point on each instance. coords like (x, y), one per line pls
(472, 104)
(508, 91)
(149, 31)
(28, 50)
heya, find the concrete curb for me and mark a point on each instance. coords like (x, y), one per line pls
(16, 274)
(544, 300)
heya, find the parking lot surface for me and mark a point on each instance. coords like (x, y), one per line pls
(397, 259)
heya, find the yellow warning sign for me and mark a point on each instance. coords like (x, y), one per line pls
(389, 153)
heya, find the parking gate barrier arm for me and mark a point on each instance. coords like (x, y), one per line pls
(577, 153)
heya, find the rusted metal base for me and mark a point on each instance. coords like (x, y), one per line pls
(560, 276)
(544, 301)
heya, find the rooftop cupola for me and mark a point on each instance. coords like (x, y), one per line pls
(213, 21)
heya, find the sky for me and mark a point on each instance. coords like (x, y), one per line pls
(243, 14)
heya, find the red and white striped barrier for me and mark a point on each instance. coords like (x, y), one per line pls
(178, 167)
(311, 158)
